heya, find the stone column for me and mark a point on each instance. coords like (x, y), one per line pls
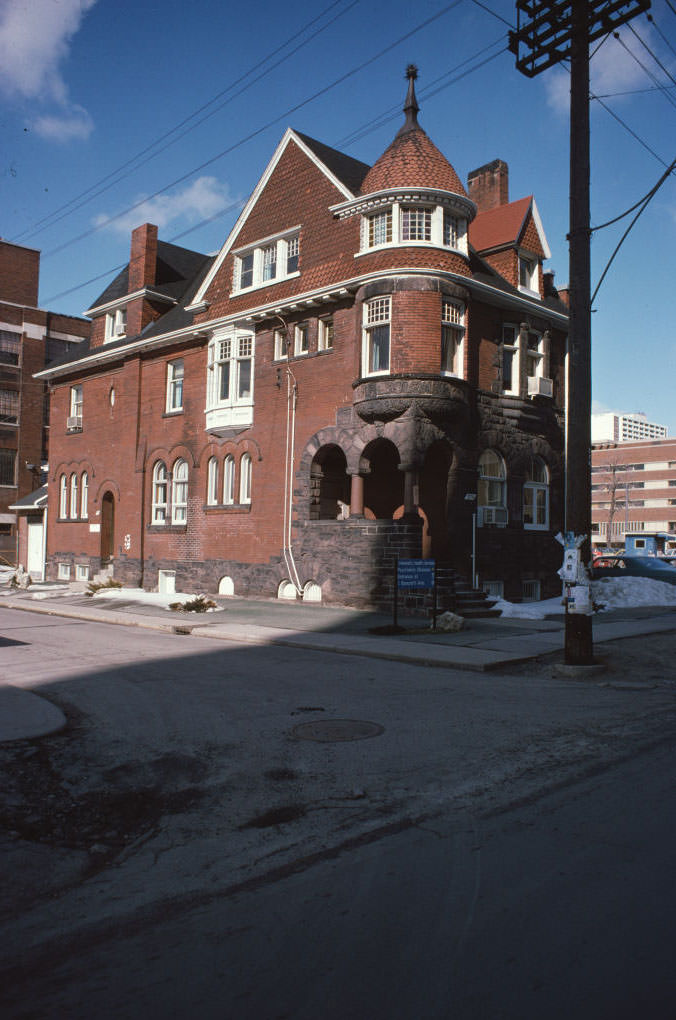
(356, 495)
(411, 490)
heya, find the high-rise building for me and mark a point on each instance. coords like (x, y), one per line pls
(624, 428)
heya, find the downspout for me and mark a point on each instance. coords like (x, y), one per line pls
(291, 401)
(142, 513)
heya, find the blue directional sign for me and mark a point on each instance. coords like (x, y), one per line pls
(415, 574)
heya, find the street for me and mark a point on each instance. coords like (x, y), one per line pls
(492, 846)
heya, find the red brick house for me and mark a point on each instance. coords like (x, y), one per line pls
(30, 339)
(371, 346)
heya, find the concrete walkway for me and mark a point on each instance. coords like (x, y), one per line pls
(483, 644)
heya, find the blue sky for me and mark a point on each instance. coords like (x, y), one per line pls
(101, 132)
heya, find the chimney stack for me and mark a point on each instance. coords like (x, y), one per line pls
(143, 257)
(488, 187)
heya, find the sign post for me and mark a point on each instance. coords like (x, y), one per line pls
(414, 574)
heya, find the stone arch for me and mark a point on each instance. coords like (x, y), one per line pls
(434, 494)
(384, 482)
(329, 484)
(170, 454)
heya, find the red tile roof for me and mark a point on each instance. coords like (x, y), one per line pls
(412, 160)
(502, 225)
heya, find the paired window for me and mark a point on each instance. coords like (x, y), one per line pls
(74, 497)
(245, 471)
(403, 223)
(230, 380)
(175, 372)
(74, 422)
(269, 262)
(536, 495)
(170, 493)
(9, 407)
(7, 467)
(452, 338)
(376, 336)
(116, 324)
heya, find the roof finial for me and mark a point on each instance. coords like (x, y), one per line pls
(411, 105)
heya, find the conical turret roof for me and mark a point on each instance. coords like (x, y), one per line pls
(412, 160)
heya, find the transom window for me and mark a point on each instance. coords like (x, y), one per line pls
(267, 262)
(376, 336)
(416, 223)
(536, 495)
(452, 337)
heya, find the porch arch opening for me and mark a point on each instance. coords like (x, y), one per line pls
(329, 484)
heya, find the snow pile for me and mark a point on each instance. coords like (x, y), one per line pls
(151, 598)
(608, 593)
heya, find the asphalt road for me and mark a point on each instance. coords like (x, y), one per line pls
(502, 848)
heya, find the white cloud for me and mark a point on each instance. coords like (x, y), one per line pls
(612, 69)
(35, 38)
(205, 197)
(73, 124)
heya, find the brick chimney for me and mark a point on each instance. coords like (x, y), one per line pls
(488, 187)
(143, 257)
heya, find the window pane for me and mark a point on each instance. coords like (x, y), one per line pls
(244, 379)
(416, 224)
(246, 270)
(380, 349)
(380, 228)
(292, 251)
(224, 382)
(270, 262)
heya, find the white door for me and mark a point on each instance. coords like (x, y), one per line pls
(35, 555)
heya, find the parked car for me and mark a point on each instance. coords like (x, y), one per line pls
(634, 566)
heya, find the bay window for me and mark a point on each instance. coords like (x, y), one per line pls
(230, 381)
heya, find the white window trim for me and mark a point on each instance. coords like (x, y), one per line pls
(325, 331)
(160, 508)
(458, 326)
(179, 492)
(368, 327)
(280, 244)
(245, 474)
(515, 347)
(63, 498)
(229, 480)
(280, 346)
(300, 329)
(233, 411)
(175, 383)
(74, 493)
(212, 481)
(84, 496)
(501, 479)
(533, 488)
(116, 325)
(76, 401)
(436, 228)
(533, 287)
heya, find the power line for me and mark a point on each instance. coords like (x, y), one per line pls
(660, 33)
(643, 67)
(90, 193)
(258, 131)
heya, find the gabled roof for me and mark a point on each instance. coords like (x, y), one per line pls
(343, 172)
(33, 501)
(504, 225)
(174, 267)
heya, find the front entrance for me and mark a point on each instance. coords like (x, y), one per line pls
(107, 528)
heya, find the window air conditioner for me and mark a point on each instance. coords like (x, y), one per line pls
(75, 422)
(538, 386)
(493, 515)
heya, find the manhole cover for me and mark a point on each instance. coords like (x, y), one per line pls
(334, 730)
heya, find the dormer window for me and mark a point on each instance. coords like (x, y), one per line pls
(416, 223)
(407, 224)
(528, 274)
(269, 261)
(116, 324)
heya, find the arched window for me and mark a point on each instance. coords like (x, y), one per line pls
(84, 496)
(492, 489)
(73, 496)
(229, 480)
(212, 482)
(160, 493)
(536, 495)
(63, 497)
(179, 492)
(245, 479)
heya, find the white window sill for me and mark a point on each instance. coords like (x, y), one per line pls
(227, 418)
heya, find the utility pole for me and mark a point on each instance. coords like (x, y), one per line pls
(550, 31)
